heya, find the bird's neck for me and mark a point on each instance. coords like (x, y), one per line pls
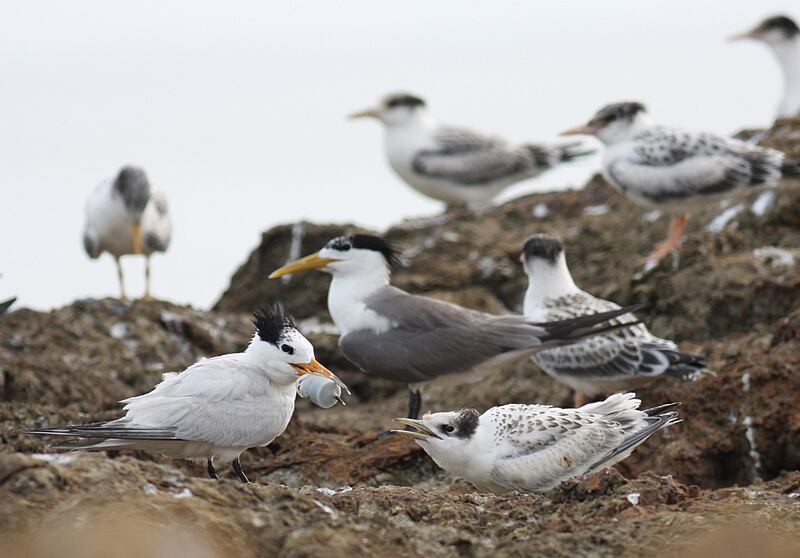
(788, 54)
(547, 281)
(421, 120)
(346, 298)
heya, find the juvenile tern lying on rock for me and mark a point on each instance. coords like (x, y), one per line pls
(675, 170)
(417, 340)
(621, 359)
(457, 165)
(218, 407)
(127, 215)
(782, 35)
(533, 448)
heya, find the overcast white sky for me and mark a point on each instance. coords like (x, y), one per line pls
(236, 110)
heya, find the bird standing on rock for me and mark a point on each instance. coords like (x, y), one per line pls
(457, 165)
(218, 407)
(127, 215)
(533, 448)
(417, 340)
(677, 170)
(617, 360)
(782, 35)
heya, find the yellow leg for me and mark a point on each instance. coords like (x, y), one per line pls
(147, 278)
(122, 295)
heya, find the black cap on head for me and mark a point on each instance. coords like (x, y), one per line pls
(626, 110)
(131, 183)
(402, 100)
(542, 246)
(780, 23)
(271, 322)
(366, 242)
(466, 423)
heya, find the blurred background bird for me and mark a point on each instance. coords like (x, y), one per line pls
(457, 165)
(782, 35)
(127, 215)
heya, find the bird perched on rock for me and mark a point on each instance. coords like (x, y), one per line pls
(417, 340)
(457, 165)
(127, 215)
(533, 448)
(218, 407)
(621, 359)
(676, 170)
(782, 35)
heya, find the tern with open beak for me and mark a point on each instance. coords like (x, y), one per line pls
(615, 361)
(782, 35)
(533, 448)
(218, 407)
(677, 170)
(124, 216)
(456, 165)
(389, 333)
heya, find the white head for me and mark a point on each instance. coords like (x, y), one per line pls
(545, 265)
(281, 350)
(357, 255)
(614, 123)
(775, 31)
(447, 437)
(396, 109)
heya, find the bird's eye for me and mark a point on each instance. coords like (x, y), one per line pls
(344, 248)
(288, 349)
(449, 428)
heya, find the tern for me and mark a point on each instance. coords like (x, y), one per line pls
(676, 170)
(218, 407)
(782, 35)
(127, 215)
(456, 165)
(621, 359)
(417, 340)
(533, 448)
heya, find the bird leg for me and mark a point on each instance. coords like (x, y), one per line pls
(414, 403)
(212, 472)
(237, 467)
(122, 295)
(673, 241)
(147, 278)
(581, 399)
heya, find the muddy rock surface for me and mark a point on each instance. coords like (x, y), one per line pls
(724, 482)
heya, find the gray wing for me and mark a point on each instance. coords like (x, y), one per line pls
(670, 164)
(471, 158)
(91, 243)
(156, 223)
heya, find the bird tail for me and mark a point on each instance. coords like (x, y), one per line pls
(5, 305)
(565, 332)
(668, 359)
(790, 168)
(545, 156)
(103, 436)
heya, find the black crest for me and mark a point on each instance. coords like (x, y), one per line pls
(781, 23)
(271, 322)
(542, 246)
(403, 100)
(131, 183)
(617, 111)
(466, 423)
(366, 242)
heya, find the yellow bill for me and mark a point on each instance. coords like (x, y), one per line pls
(314, 367)
(312, 261)
(137, 238)
(368, 113)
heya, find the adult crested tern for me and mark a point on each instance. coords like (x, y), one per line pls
(127, 215)
(533, 448)
(457, 165)
(218, 407)
(782, 35)
(675, 170)
(617, 360)
(417, 340)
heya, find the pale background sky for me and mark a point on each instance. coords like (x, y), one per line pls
(236, 110)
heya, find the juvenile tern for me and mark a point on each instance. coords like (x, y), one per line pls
(676, 170)
(417, 340)
(457, 165)
(127, 215)
(218, 407)
(782, 35)
(621, 359)
(533, 448)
